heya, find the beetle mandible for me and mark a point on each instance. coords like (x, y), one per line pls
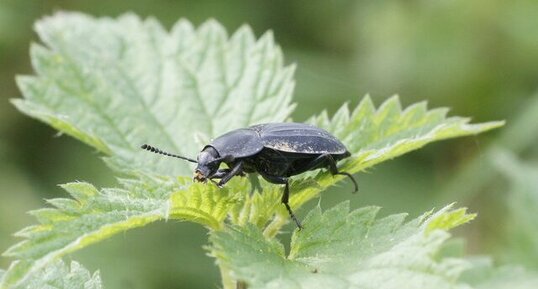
(276, 151)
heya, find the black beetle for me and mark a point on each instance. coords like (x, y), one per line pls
(276, 151)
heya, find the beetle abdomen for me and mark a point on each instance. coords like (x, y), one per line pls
(278, 163)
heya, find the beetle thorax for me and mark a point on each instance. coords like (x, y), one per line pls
(208, 164)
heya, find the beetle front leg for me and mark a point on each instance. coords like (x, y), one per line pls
(236, 170)
(220, 173)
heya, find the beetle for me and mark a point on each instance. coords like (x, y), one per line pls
(276, 151)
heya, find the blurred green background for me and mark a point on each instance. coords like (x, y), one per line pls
(480, 58)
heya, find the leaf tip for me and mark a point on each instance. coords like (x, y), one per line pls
(447, 219)
(477, 128)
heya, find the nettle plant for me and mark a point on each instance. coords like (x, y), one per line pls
(115, 84)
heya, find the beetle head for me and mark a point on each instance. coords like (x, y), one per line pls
(208, 164)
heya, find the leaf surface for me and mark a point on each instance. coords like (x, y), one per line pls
(92, 215)
(343, 249)
(116, 84)
(59, 275)
(374, 135)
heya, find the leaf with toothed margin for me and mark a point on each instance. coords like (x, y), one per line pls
(118, 83)
(93, 215)
(376, 135)
(343, 249)
(58, 275)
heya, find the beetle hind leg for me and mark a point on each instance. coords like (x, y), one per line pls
(331, 163)
(351, 178)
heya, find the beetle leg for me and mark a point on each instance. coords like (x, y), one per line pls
(220, 174)
(331, 163)
(285, 195)
(285, 198)
(334, 171)
(237, 169)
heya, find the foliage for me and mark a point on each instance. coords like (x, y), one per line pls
(342, 249)
(117, 83)
(59, 275)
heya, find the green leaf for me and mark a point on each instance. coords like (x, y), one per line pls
(58, 275)
(93, 215)
(118, 83)
(387, 132)
(450, 220)
(342, 249)
(376, 135)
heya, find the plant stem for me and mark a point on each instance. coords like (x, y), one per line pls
(227, 281)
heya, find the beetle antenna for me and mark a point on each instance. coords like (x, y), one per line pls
(158, 151)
